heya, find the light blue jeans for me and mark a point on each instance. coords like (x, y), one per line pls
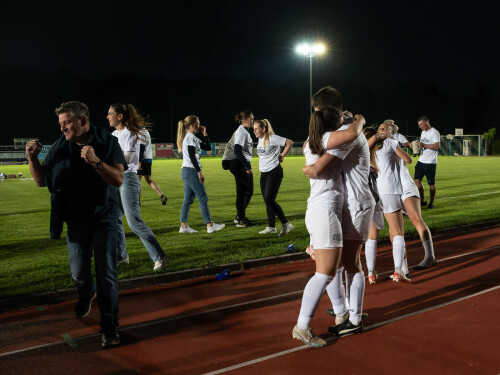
(193, 187)
(129, 194)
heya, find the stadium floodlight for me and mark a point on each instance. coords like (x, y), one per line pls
(310, 50)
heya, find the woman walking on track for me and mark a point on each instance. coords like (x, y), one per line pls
(324, 212)
(191, 139)
(237, 158)
(389, 185)
(128, 123)
(271, 175)
(146, 162)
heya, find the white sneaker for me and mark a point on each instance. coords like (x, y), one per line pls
(215, 227)
(268, 230)
(285, 228)
(126, 260)
(187, 230)
(159, 264)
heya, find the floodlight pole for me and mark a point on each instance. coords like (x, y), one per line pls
(310, 82)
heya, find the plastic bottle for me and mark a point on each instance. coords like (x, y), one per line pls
(223, 275)
(290, 248)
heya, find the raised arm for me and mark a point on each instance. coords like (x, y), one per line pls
(340, 137)
(314, 170)
(402, 154)
(33, 148)
(112, 174)
(375, 138)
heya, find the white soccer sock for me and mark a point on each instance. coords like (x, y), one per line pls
(356, 285)
(398, 248)
(404, 266)
(310, 300)
(336, 292)
(370, 254)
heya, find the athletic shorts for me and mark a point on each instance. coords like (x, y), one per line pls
(145, 168)
(356, 220)
(410, 190)
(323, 225)
(391, 203)
(427, 170)
(378, 216)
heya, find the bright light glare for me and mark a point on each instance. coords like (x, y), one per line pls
(307, 49)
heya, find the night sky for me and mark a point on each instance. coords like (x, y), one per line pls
(390, 59)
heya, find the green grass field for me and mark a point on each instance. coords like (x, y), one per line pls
(468, 192)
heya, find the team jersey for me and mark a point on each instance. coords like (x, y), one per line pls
(129, 144)
(427, 137)
(190, 140)
(327, 188)
(269, 156)
(401, 139)
(240, 137)
(389, 181)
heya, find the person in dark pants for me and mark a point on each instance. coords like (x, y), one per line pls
(83, 169)
(237, 158)
(268, 149)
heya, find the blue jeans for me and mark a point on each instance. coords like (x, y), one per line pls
(99, 234)
(129, 195)
(193, 187)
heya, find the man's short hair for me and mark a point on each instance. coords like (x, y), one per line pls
(76, 108)
(423, 118)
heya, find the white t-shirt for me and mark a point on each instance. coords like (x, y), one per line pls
(388, 180)
(428, 137)
(269, 156)
(145, 139)
(404, 175)
(242, 137)
(129, 143)
(190, 140)
(355, 156)
(399, 138)
(327, 188)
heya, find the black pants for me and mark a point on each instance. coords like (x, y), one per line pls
(244, 187)
(270, 183)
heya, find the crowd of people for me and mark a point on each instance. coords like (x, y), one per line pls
(356, 176)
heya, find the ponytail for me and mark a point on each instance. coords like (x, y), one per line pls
(131, 118)
(182, 129)
(327, 119)
(268, 129)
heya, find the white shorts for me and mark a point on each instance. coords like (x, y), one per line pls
(391, 203)
(378, 216)
(323, 225)
(356, 220)
(410, 190)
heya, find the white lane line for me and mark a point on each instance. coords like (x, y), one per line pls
(146, 324)
(373, 326)
(470, 195)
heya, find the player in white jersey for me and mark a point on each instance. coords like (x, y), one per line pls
(145, 164)
(191, 139)
(271, 173)
(411, 202)
(128, 123)
(390, 189)
(323, 216)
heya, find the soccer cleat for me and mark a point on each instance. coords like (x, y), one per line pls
(110, 338)
(341, 319)
(187, 230)
(424, 265)
(84, 305)
(345, 328)
(310, 252)
(245, 223)
(285, 228)
(236, 220)
(397, 277)
(372, 277)
(159, 264)
(423, 203)
(308, 337)
(430, 206)
(268, 230)
(163, 200)
(332, 313)
(125, 261)
(215, 227)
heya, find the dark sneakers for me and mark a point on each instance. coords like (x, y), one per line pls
(245, 223)
(423, 203)
(345, 328)
(110, 338)
(424, 265)
(430, 205)
(84, 305)
(163, 200)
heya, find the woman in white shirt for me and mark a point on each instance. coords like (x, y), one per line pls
(237, 158)
(271, 175)
(191, 139)
(128, 123)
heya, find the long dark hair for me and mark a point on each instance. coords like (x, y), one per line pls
(327, 119)
(131, 118)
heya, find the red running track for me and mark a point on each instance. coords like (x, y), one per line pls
(444, 322)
